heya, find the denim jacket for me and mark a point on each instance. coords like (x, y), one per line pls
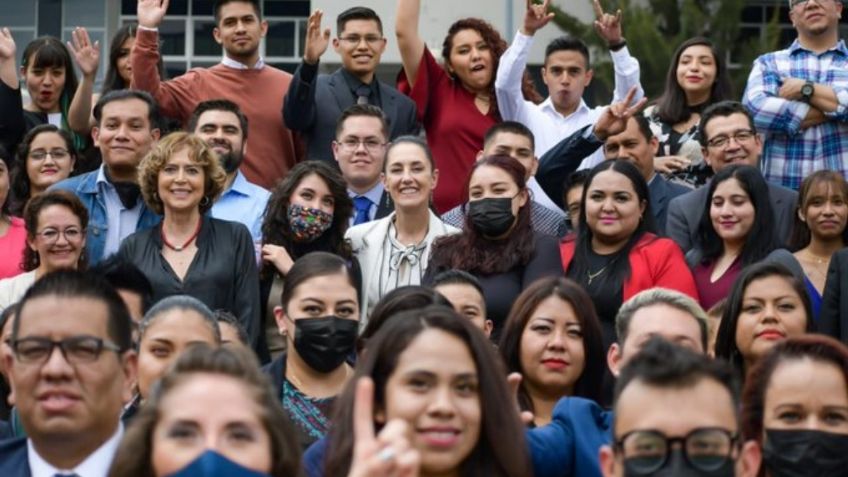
(85, 187)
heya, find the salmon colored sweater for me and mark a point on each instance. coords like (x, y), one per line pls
(271, 150)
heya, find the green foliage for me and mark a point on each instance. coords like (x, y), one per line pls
(654, 31)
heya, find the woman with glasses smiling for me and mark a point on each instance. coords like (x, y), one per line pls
(45, 156)
(55, 224)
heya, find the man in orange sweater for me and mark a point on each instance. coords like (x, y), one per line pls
(242, 77)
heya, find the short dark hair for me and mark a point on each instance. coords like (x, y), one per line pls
(368, 110)
(225, 317)
(357, 13)
(76, 284)
(456, 277)
(513, 127)
(575, 179)
(124, 94)
(218, 105)
(663, 364)
(124, 275)
(722, 109)
(644, 126)
(567, 43)
(220, 3)
(318, 264)
(410, 297)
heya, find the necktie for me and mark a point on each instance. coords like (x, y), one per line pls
(362, 94)
(362, 205)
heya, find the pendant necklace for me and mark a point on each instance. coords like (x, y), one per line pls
(180, 248)
(595, 275)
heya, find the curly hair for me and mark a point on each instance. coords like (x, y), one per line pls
(32, 213)
(21, 184)
(134, 456)
(198, 151)
(497, 45)
(275, 225)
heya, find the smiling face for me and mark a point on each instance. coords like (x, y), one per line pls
(738, 150)
(239, 31)
(361, 164)
(613, 209)
(566, 74)
(434, 388)
(124, 135)
(409, 177)
(222, 131)
(696, 71)
(45, 85)
(313, 192)
(731, 211)
(471, 60)
(168, 335)
(59, 240)
(552, 354)
(123, 64)
(771, 312)
(50, 169)
(360, 45)
(181, 182)
(825, 211)
(632, 146)
(815, 18)
(807, 395)
(194, 420)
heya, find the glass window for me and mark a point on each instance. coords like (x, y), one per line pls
(19, 14)
(84, 13)
(203, 7)
(172, 37)
(289, 8)
(204, 42)
(280, 39)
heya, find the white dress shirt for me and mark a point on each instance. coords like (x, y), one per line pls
(122, 222)
(95, 465)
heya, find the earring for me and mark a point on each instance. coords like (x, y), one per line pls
(204, 201)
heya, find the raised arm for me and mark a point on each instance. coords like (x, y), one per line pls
(299, 105)
(8, 72)
(409, 40)
(12, 125)
(625, 66)
(87, 57)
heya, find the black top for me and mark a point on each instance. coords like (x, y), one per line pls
(221, 275)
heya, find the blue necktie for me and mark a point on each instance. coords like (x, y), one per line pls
(362, 205)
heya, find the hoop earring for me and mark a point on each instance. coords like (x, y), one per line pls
(204, 201)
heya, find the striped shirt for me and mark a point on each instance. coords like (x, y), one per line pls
(790, 153)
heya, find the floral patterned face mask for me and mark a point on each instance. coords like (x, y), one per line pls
(307, 223)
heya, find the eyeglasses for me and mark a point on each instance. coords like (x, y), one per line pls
(351, 144)
(75, 349)
(743, 135)
(354, 40)
(51, 235)
(706, 448)
(56, 154)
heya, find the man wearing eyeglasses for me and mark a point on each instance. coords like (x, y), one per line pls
(728, 136)
(799, 97)
(676, 414)
(314, 102)
(70, 376)
(360, 150)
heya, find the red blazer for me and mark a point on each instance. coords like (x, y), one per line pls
(654, 262)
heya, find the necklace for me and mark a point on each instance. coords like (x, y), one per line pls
(811, 257)
(179, 248)
(595, 275)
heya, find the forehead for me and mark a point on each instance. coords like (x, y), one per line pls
(47, 138)
(56, 214)
(437, 352)
(663, 320)
(508, 139)
(460, 292)
(361, 26)
(729, 187)
(362, 126)
(406, 153)
(825, 188)
(331, 288)
(218, 117)
(697, 51)
(58, 317)
(771, 287)
(181, 156)
(566, 59)
(806, 381)
(125, 109)
(231, 400)
(611, 180)
(490, 174)
(467, 36)
(236, 10)
(726, 124)
(180, 324)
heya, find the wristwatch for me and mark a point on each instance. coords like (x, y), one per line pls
(807, 91)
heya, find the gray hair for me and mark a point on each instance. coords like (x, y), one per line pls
(180, 302)
(659, 296)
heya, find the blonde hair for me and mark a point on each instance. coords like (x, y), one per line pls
(198, 151)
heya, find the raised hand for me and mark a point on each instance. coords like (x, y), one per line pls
(607, 25)
(536, 17)
(316, 40)
(7, 45)
(614, 119)
(151, 12)
(277, 256)
(387, 454)
(86, 54)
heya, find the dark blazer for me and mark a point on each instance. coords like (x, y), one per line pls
(833, 317)
(563, 159)
(662, 192)
(13, 458)
(684, 214)
(313, 105)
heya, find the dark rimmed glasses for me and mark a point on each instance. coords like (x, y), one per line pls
(706, 448)
(75, 349)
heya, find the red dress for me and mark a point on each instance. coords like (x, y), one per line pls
(454, 125)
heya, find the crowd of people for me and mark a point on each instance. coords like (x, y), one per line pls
(245, 272)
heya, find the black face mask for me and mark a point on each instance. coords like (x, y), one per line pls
(805, 453)
(324, 343)
(677, 466)
(491, 217)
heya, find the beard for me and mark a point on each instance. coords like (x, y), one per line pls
(230, 161)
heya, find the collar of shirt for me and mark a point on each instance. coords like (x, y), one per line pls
(95, 465)
(101, 176)
(374, 195)
(353, 83)
(231, 63)
(548, 108)
(239, 186)
(839, 46)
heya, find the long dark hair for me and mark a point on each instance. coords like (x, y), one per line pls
(113, 79)
(6, 158)
(500, 450)
(801, 236)
(578, 269)
(275, 225)
(473, 253)
(588, 385)
(762, 238)
(725, 345)
(49, 52)
(318, 264)
(671, 107)
(498, 46)
(20, 179)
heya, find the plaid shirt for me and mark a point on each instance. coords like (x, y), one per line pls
(789, 153)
